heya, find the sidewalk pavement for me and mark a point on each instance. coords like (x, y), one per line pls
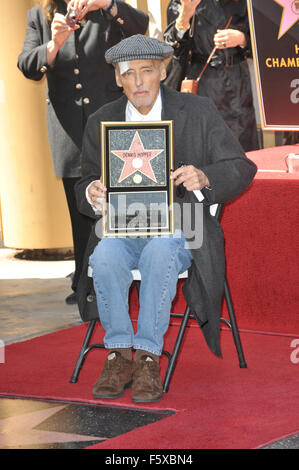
(32, 297)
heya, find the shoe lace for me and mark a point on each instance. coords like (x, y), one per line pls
(148, 369)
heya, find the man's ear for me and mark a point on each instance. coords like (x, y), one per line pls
(117, 76)
(163, 72)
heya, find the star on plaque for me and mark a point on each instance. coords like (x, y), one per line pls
(290, 15)
(137, 158)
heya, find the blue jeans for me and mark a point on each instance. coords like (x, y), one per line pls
(159, 260)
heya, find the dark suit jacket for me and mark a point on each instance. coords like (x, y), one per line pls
(80, 80)
(202, 139)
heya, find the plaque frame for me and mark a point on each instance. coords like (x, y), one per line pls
(138, 187)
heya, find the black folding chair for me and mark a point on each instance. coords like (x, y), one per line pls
(172, 357)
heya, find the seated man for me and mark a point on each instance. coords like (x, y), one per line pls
(215, 170)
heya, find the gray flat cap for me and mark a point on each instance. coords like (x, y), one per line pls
(138, 47)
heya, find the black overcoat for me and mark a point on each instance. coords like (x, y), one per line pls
(80, 80)
(202, 139)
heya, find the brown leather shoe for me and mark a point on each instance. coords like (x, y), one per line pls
(147, 383)
(116, 376)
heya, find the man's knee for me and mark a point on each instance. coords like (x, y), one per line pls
(104, 257)
(110, 256)
(159, 250)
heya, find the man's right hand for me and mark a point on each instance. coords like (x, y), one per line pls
(96, 193)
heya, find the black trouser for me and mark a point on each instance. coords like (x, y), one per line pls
(81, 227)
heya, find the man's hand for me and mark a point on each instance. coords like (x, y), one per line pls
(229, 38)
(191, 177)
(97, 194)
(186, 13)
(84, 6)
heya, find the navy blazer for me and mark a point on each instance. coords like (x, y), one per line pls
(80, 80)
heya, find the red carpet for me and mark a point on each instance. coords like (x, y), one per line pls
(217, 404)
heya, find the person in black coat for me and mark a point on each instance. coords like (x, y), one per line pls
(198, 26)
(79, 82)
(215, 171)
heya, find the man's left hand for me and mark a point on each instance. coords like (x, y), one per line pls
(191, 177)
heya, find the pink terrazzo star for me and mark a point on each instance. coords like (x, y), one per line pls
(137, 158)
(290, 15)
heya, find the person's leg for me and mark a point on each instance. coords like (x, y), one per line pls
(81, 227)
(112, 262)
(160, 263)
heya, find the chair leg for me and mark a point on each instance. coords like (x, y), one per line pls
(83, 351)
(176, 349)
(234, 327)
(137, 284)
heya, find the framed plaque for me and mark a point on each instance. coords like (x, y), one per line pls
(136, 161)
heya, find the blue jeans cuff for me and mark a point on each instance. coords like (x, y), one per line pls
(157, 352)
(118, 345)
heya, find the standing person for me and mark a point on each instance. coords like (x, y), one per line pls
(215, 165)
(226, 79)
(79, 82)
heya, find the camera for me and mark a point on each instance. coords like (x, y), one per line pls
(72, 17)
